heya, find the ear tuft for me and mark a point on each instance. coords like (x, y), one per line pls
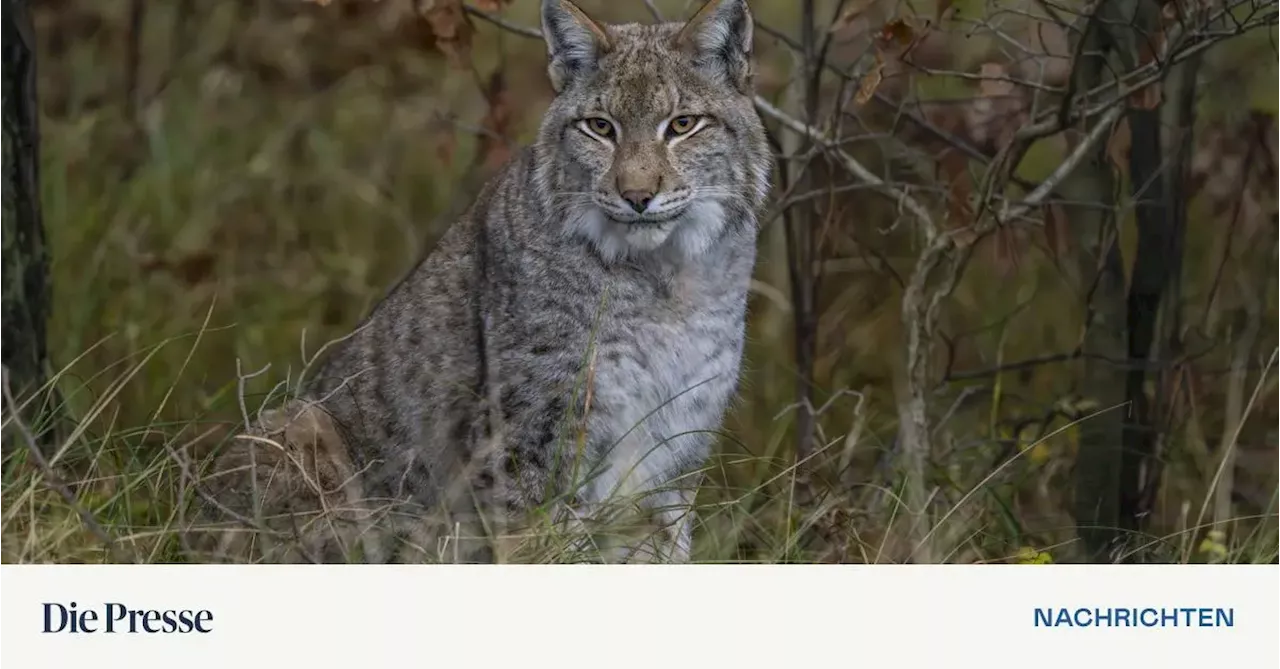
(574, 41)
(719, 39)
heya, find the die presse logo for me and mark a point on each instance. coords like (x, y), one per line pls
(115, 618)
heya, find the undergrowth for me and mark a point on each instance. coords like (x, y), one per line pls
(279, 165)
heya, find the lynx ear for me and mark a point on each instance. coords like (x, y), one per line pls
(574, 42)
(719, 39)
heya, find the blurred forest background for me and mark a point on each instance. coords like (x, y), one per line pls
(1016, 296)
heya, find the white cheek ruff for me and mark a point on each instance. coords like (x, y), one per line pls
(690, 235)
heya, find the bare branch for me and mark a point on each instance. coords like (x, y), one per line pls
(516, 28)
(1100, 130)
(653, 9)
(851, 164)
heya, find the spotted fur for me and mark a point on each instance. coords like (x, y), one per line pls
(560, 350)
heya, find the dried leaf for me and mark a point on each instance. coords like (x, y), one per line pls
(1150, 96)
(995, 114)
(870, 80)
(1007, 251)
(1055, 229)
(1118, 145)
(995, 81)
(897, 31)
(451, 29)
(495, 143)
(1147, 97)
(192, 269)
(444, 141)
(195, 268)
(850, 15)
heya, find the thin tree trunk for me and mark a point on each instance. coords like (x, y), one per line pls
(26, 265)
(1233, 417)
(1099, 272)
(1178, 120)
(800, 223)
(1152, 270)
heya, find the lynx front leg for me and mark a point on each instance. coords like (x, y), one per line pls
(675, 520)
(583, 542)
(632, 493)
(672, 518)
(595, 536)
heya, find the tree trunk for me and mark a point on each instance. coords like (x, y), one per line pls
(800, 222)
(26, 263)
(1099, 275)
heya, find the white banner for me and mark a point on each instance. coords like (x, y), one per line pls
(242, 617)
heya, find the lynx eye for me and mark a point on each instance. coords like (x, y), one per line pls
(600, 127)
(682, 125)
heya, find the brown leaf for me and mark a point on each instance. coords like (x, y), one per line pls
(870, 80)
(1149, 96)
(1007, 252)
(897, 31)
(490, 5)
(495, 142)
(444, 141)
(451, 28)
(1055, 229)
(994, 115)
(192, 269)
(1118, 145)
(850, 15)
(953, 167)
(195, 268)
(995, 81)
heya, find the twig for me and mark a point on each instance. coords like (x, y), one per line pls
(850, 164)
(502, 23)
(241, 380)
(898, 107)
(653, 9)
(56, 482)
(1233, 438)
(1064, 169)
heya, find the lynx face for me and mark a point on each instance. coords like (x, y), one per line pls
(652, 139)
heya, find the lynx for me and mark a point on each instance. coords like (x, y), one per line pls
(569, 348)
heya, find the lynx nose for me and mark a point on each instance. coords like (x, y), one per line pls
(638, 199)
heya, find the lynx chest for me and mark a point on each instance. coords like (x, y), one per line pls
(663, 369)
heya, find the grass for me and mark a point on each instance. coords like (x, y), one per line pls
(268, 191)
